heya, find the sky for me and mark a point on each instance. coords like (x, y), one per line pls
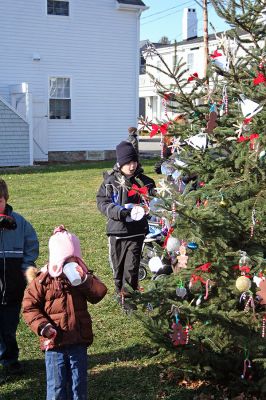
(164, 18)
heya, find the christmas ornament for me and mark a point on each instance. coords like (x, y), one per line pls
(198, 142)
(223, 203)
(260, 78)
(140, 191)
(219, 60)
(182, 258)
(179, 335)
(172, 244)
(244, 261)
(211, 124)
(246, 373)
(163, 129)
(193, 77)
(192, 246)
(155, 264)
(163, 188)
(243, 283)
(249, 108)
(137, 213)
(181, 291)
(262, 292)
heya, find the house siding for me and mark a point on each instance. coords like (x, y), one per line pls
(14, 138)
(96, 47)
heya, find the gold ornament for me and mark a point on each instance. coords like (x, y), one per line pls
(243, 284)
(223, 203)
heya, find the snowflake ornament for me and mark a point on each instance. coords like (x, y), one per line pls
(163, 189)
(122, 182)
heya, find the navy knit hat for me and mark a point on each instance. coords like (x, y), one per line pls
(125, 153)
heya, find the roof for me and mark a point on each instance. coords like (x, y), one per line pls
(132, 2)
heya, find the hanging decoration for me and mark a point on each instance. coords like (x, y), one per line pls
(220, 60)
(248, 107)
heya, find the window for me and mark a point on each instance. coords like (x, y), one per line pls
(59, 98)
(57, 7)
(190, 61)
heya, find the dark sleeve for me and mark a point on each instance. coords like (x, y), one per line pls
(107, 201)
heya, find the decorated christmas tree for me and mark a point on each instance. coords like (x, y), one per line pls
(211, 201)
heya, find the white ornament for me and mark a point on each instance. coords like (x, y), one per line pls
(155, 263)
(172, 244)
(137, 213)
(163, 188)
(249, 108)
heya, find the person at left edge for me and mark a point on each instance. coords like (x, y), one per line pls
(19, 249)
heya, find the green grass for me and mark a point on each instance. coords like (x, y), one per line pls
(122, 362)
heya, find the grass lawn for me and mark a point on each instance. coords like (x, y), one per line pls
(122, 362)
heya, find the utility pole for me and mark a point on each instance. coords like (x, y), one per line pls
(205, 36)
(204, 7)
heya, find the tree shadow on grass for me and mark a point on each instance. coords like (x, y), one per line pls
(123, 374)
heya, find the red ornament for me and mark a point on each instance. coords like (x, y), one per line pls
(179, 336)
(193, 77)
(216, 54)
(260, 78)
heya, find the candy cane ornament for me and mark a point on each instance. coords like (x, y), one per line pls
(263, 325)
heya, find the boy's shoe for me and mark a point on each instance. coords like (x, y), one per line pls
(126, 305)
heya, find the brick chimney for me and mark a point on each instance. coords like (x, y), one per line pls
(189, 24)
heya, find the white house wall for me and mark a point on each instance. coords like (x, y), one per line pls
(96, 47)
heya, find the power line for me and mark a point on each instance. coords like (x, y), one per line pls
(164, 16)
(160, 12)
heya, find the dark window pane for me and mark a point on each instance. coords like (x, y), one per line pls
(60, 109)
(55, 7)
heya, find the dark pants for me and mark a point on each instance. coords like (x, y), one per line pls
(125, 257)
(9, 320)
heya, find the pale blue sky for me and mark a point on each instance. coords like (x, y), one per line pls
(164, 18)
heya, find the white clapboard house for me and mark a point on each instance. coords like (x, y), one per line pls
(68, 78)
(190, 50)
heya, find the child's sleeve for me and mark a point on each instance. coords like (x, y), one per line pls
(108, 202)
(31, 246)
(32, 307)
(93, 289)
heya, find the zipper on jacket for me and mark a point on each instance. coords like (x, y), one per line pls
(4, 262)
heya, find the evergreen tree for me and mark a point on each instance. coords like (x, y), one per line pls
(211, 310)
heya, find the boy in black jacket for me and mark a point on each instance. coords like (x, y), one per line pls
(122, 188)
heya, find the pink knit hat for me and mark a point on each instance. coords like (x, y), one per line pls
(62, 245)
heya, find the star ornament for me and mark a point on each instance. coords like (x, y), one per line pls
(163, 189)
(122, 182)
(176, 145)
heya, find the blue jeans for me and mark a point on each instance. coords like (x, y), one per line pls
(9, 320)
(66, 373)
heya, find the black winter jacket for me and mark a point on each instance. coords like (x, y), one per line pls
(112, 197)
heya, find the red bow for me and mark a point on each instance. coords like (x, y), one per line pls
(171, 230)
(204, 267)
(260, 78)
(159, 128)
(251, 138)
(216, 54)
(137, 190)
(194, 278)
(192, 77)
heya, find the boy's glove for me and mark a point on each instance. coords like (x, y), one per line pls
(125, 213)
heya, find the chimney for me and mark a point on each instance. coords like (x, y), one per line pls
(189, 24)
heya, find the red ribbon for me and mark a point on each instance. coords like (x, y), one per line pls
(260, 78)
(204, 267)
(194, 278)
(137, 190)
(192, 77)
(159, 128)
(171, 230)
(216, 54)
(252, 137)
